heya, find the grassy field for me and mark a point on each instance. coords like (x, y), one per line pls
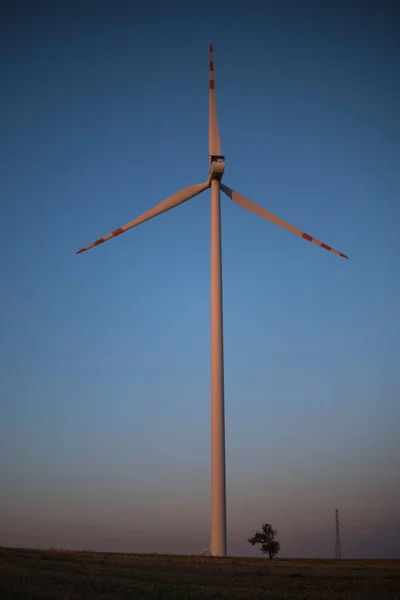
(54, 574)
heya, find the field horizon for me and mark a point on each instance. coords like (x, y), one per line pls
(71, 574)
(167, 555)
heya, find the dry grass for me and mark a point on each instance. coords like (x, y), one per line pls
(62, 575)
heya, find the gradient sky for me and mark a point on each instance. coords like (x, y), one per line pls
(104, 357)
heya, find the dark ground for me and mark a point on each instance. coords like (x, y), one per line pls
(56, 575)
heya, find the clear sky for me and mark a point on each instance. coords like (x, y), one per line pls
(104, 357)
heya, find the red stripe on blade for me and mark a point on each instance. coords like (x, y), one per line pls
(118, 231)
(325, 246)
(97, 242)
(307, 237)
(344, 256)
(211, 84)
(211, 65)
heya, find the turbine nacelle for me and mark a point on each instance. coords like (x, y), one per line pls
(217, 167)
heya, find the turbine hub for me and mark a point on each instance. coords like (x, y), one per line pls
(217, 167)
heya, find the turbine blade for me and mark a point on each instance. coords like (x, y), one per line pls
(263, 212)
(178, 198)
(214, 143)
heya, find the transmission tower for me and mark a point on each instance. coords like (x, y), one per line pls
(338, 552)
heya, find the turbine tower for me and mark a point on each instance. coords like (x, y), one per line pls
(216, 171)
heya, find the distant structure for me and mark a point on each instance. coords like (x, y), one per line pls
(338, 552)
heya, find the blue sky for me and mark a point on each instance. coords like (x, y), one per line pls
(104, 360)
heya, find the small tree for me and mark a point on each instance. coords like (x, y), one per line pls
(266, 537)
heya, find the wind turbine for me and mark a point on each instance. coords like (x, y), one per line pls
(217, 167)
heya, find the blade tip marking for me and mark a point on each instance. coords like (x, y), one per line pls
(307, 237)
